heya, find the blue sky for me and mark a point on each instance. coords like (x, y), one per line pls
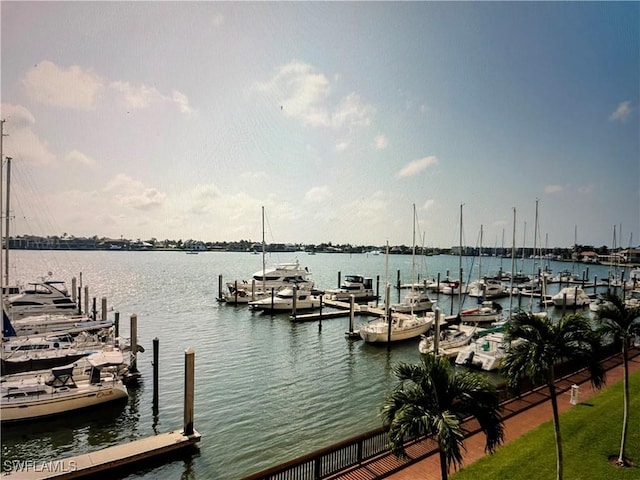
(180, 120)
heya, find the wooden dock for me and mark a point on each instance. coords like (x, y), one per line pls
(340, 309)
(101, 461)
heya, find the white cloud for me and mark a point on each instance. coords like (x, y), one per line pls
(72, 87)
(429, 204)
(81, 89)
(553, 188)
(217, 20)
(342, 145)
(79, 158)
(380, 142)
(132, 193)
(587, 189)
(305, 94)
(622, 112)
(21, 141)
(318, 194)
(417, 166)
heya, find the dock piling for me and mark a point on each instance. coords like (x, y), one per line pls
(133, 366)
(352, 312)
(220, 286)
(436, 332)
(86, 299)
(104, 309)
(156, 366)
(74, 293)
(189, 387)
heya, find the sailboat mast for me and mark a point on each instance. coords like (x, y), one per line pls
(535, 235)
(460, 265)
(413, 251)
(1, 161)
(264, 260)
(6, 231)
(513, 262)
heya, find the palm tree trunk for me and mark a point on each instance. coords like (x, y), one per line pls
(556, 422)
(444, 465)
(625, 415)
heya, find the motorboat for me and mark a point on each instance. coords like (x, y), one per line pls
(92, 381)
(571, 297)
(48, 296)
(450, 341)
(487, 288)
(264, 281)
(453, 287)
(403, 327)
(485, 352)
(416, 300)
(53, 323)
(288, 299)
(360, 287)
(487, 311)
(21, 354)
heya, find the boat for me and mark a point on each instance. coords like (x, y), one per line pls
(487, 288)
(417, 299)
(414, 301)
(450, 342)
(288, 299)
(403, 327)
(52, 323)
(279, 276)
(485, 352)
(487, 311)
(92, 381)
(571, 297)
(22, 354)
(47, 296)
(360, 287)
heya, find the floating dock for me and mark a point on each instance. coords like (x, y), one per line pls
(101, 461)
(342, 309)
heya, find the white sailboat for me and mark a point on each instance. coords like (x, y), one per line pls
(92, 381)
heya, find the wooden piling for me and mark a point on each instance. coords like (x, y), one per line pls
(133, 367)
(116, 322)
(220, 287)
(295, 301)
(189, 388)
(74, 293)
(320, 315)
(86, 299)
(104, 309)
(156, 366)
(94, 310)
(352, 312)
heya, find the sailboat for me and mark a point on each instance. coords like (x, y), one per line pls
(417, 299)
(396, 326)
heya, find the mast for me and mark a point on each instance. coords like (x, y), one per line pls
(513, 262)
(6, 231)
(413, 255)
(264, 260)
(533, 275)
(460, 265)
(1, 245)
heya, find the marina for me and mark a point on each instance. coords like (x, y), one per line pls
(267, 390)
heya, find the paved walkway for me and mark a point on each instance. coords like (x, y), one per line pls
(520, 416)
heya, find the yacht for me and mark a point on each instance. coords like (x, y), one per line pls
(49, 296)
(287, 299)
(403, 327)
(357, 285)
(263, 281)
(485, 352)
(571, 297)
(90, 382)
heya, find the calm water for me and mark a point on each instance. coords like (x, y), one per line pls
(267, 390)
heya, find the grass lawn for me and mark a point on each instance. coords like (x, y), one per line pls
(590, 434)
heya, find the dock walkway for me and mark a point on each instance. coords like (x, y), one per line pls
(520, 415)
(104, 460)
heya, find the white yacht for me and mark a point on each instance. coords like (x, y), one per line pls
(357, 285)
(48, 296)
(486, 352)
(403, 327)
(92, 381)
(286, 299)
(263, 281)
(487, 288)
(416, 300)
(571, 297)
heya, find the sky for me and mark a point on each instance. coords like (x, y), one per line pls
(181, 120)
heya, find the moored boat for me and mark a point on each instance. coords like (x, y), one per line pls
(403, 327)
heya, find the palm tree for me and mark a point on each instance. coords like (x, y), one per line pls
(537, 344)
(620, 323)
(432, 399)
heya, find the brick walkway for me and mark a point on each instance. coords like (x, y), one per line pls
(520, 416)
